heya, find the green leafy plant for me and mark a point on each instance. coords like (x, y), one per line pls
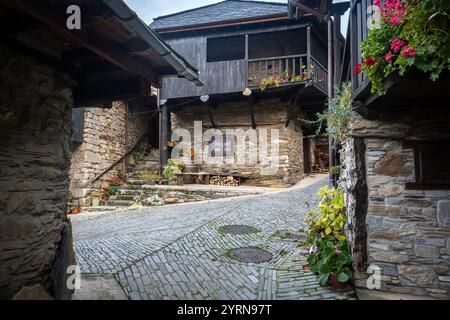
(149, 176)
(329, 255)
(337, 117)
(409, 33)
(172, 168)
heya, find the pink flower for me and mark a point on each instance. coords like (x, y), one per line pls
(396, 44)
(377, 3)
(388, 57)
(409, 52)
(395, 20)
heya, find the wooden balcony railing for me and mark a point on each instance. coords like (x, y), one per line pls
(286, 70)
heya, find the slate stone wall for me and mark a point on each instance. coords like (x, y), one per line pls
(269, 114)
(106, 138)
(404, 232)
(35, 125)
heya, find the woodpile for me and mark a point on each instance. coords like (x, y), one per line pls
(223, 181)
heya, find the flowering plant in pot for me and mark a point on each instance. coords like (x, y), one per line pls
(409, 34)
(329, 255)
(111, 186)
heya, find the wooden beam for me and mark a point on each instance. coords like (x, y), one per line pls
(252, 111)
(164, 134)
(360, 108)
(99, 89)
(83, 38)
(210, 113)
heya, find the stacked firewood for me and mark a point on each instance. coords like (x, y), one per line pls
(223, 181)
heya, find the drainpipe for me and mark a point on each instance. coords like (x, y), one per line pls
(130, 19)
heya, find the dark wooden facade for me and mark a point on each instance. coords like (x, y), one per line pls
(296, 50)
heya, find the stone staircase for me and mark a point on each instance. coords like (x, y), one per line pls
(131, 192)
(141, 189)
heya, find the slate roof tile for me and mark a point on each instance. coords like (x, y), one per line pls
(223, 11)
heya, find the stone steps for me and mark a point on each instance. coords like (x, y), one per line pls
(100, 209)
(124, 197)
(130, 192)
(120, 203)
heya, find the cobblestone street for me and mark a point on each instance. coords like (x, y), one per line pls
(181, 251)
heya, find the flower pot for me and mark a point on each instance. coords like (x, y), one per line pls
(95, 202)
(335, 283)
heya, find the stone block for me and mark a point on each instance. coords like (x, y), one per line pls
(427, 251)
(416, 275)
(393, 165)
(36, 292)
(374, 222)
(389, 256)
(443, 213)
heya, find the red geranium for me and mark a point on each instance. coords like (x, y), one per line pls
(358, 68)
(409, 52)
(396, 44)
(369, 61)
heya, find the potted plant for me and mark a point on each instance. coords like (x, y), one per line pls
(95, 201)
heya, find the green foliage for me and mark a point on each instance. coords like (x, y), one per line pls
(338, 115)
(149, 176)
(329, 253)
(172, 168)
(421, 30)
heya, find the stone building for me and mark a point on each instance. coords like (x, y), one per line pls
(46, 70)
(396, 175)
(107, 136)
(261, 70)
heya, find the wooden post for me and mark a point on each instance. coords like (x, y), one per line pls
(252, 112)
(246, 60)
(337, 49)
(308, 48)
(164, 154)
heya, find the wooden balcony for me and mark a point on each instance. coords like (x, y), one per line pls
(287, 70)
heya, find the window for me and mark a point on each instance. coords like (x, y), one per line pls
(432, 164)
(225, 48)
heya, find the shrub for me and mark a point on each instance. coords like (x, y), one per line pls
(329, 254)
(172, 168)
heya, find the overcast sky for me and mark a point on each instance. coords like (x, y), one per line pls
(150, 9)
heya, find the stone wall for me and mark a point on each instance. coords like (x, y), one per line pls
(401, 231)
(35, 111)
(108, 134)
(269, 114)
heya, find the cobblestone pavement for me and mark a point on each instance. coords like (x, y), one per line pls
(180, 251)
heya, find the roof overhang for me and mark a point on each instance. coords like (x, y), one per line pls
(112, 44)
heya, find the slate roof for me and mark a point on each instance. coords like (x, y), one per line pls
(229, 10)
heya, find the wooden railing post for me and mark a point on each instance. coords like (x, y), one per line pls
(246, 59)
(308, 49)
